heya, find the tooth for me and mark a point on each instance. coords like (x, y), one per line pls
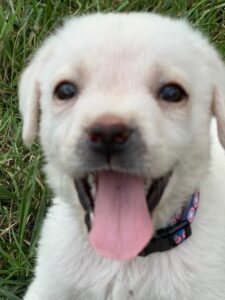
(92, 183)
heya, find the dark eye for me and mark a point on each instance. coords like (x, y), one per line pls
(172, 93)
(66, 90)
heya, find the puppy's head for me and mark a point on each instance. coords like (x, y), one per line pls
(126, 102)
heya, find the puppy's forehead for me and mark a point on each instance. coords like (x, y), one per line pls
(111, 33)
(101, 29)
(126, 43)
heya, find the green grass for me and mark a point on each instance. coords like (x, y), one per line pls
(23, 193)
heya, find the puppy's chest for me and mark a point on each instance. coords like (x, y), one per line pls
(145, 279)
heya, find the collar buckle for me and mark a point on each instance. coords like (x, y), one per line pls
(168, 238)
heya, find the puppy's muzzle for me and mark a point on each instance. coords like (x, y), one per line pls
(109, 138)
(111, 142)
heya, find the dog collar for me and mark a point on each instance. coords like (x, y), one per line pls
(179, 229)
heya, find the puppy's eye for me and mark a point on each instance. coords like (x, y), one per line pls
(172, 93)
(66, 90)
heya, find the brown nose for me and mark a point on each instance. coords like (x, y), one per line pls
(109, 137)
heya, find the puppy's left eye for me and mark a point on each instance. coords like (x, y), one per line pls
(66, 90)
(172, 93)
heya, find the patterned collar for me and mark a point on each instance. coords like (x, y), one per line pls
(178, 230)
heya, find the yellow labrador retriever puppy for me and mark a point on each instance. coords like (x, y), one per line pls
(138, 172)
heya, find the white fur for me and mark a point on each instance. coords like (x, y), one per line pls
(119, 62)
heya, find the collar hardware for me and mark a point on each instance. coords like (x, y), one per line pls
(165, 239)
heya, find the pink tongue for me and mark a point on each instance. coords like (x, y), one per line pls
(122, 225)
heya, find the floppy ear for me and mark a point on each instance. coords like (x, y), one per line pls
(218, 105)
(29, 92)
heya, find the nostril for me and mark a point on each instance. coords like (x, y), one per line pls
(95, 137)
(121, 138)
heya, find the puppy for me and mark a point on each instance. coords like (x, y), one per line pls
(126, 104)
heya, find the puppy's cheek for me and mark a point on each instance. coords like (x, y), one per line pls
(52, 139)
(165, 149)
(46, 135)
(159, 162)
(157, 159)
(59, 132)
(67, 153)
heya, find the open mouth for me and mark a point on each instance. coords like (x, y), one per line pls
(120, 206)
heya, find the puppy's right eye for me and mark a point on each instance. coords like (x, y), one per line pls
(66, 90)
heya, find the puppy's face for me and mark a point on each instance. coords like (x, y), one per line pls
(125, 107)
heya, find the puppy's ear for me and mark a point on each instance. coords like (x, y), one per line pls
(29, 91)
(218, 105)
